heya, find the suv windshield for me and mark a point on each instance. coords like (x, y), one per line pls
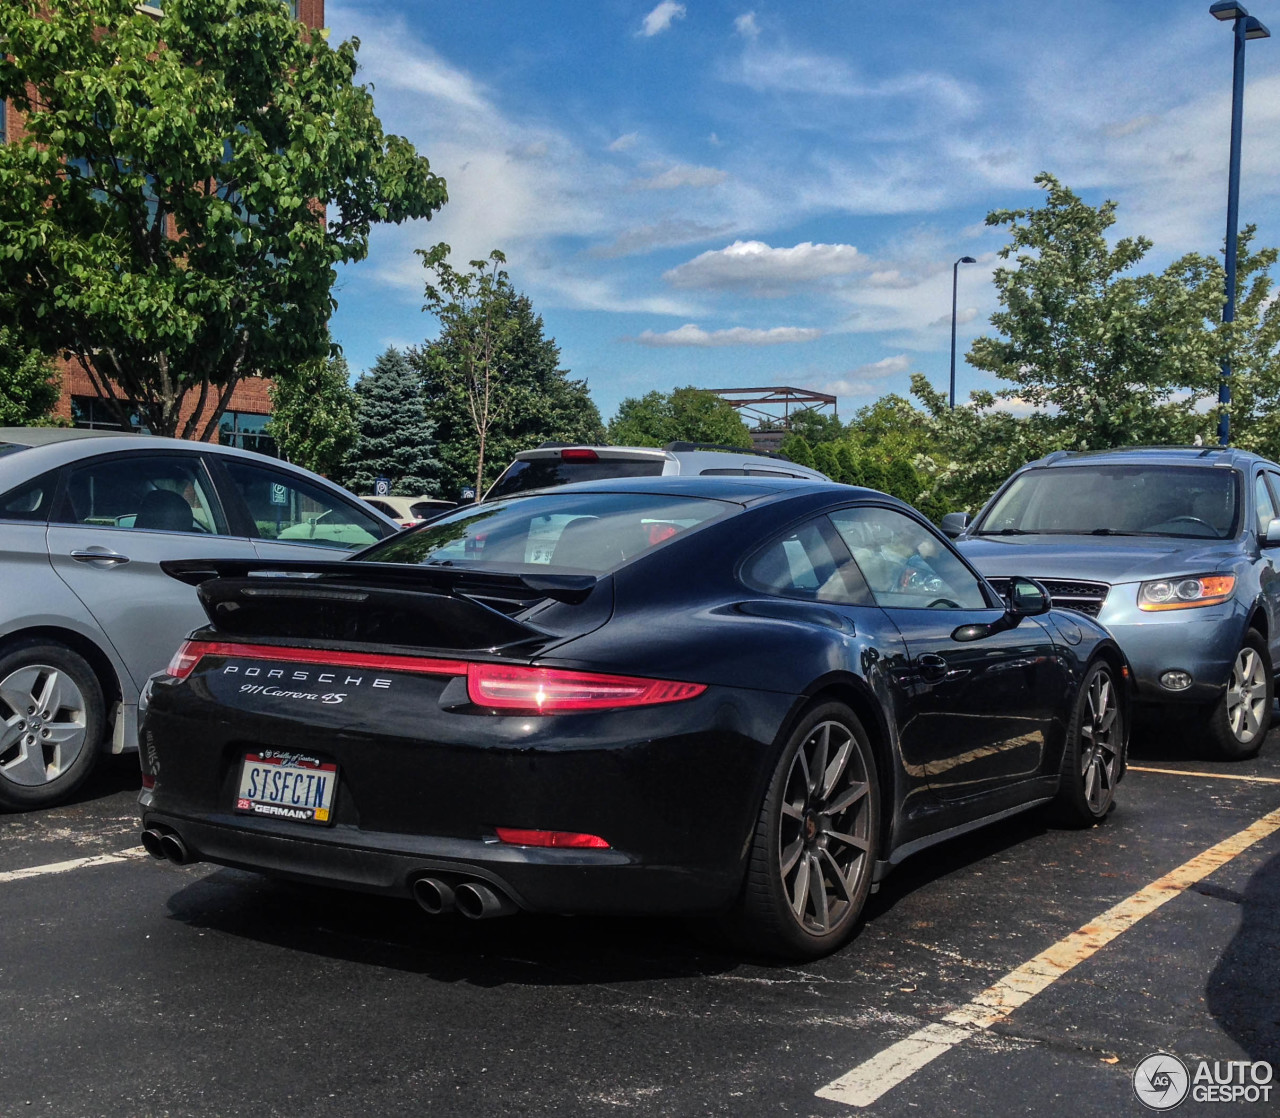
(1131, 500)
(544, 473)
(10, 448)
(593, 532)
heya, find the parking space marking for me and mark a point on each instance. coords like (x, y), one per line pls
(73, 864)
(869, 1080)
(1215, 776)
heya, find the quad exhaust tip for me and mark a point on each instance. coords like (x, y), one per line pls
(166, 845)
(475, 900)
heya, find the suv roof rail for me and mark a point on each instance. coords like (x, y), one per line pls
(1057, 455)
(686, 446)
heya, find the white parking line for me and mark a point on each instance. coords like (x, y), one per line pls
(869, 1080)
(73, 864)
(1215, 776)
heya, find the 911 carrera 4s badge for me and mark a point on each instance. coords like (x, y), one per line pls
(289, 786)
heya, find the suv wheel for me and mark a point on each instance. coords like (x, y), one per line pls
(1240, 719)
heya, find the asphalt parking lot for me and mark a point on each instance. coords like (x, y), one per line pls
(130, 987)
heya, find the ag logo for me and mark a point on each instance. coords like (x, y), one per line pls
(1161, 1081)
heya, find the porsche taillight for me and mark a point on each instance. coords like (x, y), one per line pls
(554, 691)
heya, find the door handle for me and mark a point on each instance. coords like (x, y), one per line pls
(111, 557)
(931, 666)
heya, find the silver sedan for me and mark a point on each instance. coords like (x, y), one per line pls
(87, 615)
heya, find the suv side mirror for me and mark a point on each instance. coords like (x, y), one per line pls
(954, 523)
(1273, 535)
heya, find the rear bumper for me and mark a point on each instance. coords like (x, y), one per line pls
(546, 881)
(675, 790)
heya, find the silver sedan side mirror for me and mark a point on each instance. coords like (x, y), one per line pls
(1273, 535)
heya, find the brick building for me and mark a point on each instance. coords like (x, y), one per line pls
(250, 405)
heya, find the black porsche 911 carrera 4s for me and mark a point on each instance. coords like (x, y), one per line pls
(734, 695)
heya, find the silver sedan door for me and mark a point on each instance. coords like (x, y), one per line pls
(123, 514)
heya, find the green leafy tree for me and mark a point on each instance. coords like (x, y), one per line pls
(28, 389)
(685, 415)
(816, 427)
(394, 437)
(492, 380)
(827, 459)
(186, 186)
(314, 416)
(1119, 358)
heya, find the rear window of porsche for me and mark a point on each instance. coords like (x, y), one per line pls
(591, 532)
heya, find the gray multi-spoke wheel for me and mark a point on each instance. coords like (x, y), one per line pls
(1240, 719)
(1094, 753)
(816, 839)
(51, 721)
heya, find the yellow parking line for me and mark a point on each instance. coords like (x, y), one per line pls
(1215, 776)
(869, 1080)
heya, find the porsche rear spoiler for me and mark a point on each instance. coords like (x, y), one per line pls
(376, 603)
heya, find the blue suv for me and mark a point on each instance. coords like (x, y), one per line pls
(1175, 550)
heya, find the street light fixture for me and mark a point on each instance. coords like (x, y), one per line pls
(1245, 27)
(955, 277)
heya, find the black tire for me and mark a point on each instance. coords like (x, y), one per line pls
(796, 838)
(1238, 722)
(47, 749)
(1093, 757)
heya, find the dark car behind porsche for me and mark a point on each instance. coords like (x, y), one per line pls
(731, 695)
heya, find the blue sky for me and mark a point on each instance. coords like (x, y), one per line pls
(731, 194)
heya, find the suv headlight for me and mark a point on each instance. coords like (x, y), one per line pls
(1185, 593)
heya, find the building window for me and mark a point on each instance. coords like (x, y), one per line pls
(247, 430)
(93, 412)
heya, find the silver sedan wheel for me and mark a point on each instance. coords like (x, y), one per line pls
(1247, 695)
(43, 724)
(1099, 749)
(824, 837)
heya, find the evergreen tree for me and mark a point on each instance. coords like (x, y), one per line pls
(827, 460)
(797, 449)
(394, 437)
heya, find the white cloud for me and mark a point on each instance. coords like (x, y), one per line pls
(761, 269)
(624, 143)
(681, 175)
(691, 335)
(660, 18)
(746, 26)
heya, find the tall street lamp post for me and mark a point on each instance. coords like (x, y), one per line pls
(1245, 27)
(955, 277)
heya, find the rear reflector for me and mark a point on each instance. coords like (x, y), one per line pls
(517, 837)
(579, 454)
(551, 691)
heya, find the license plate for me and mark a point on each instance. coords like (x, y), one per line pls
(288, 786)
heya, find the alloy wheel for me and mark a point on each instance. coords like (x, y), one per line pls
(1099, 749)
(824, 837)
(43, 724)
(1247, 695)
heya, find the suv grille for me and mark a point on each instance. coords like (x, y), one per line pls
(1083, 597)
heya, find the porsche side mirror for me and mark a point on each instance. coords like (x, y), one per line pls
(954, 523)
(1027, 597)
